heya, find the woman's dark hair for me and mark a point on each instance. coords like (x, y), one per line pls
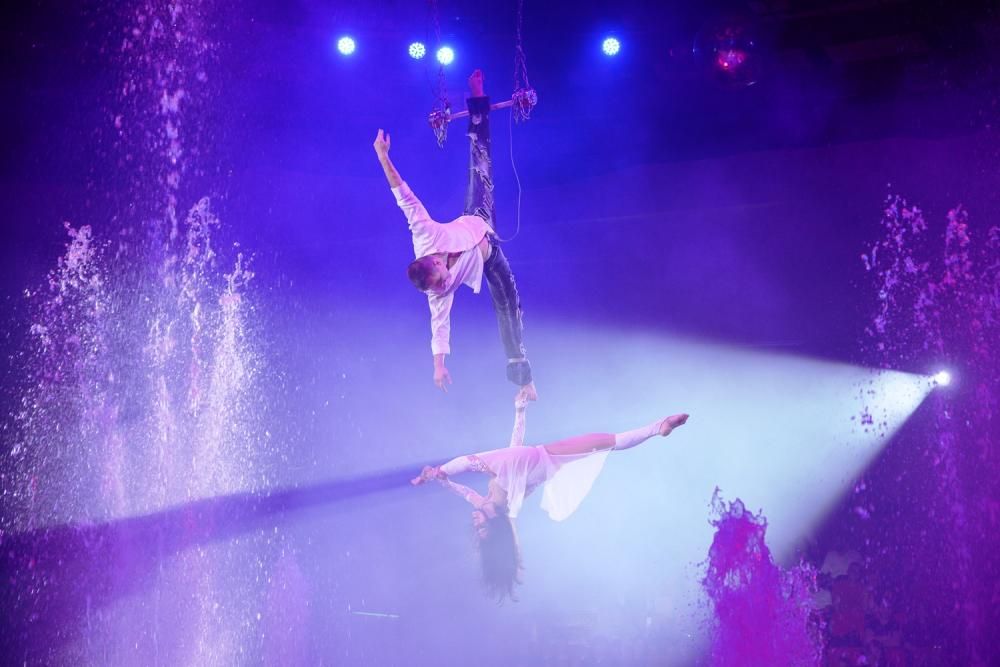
(500, 556)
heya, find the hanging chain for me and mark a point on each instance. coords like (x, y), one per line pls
(524, 97)
(440, 116)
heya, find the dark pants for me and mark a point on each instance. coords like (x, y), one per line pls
(479, 201)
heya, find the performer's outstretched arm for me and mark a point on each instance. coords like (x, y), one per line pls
(517, 435)
(455, 466)
(458, 465)
(424, 231)
(381, 146)
(526, 393)
(423, 228)
(440, 336)
(467, 494)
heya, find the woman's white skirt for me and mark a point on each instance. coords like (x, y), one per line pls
(569, 479)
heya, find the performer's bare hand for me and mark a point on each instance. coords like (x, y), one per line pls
(427, 474)
(424, 475)
(525, 394)
(382, 143)
(442, 378)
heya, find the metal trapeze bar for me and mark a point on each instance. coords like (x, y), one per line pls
(493, 107)
(523, 101)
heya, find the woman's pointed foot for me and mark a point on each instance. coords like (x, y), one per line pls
(672, 422)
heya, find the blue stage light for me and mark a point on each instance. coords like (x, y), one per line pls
(417, 50)
(446, 55)
(611, 46)
(346, 45)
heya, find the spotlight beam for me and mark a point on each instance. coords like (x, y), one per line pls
(782, 432)
(73, 559)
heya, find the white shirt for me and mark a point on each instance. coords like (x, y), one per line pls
(460, 236)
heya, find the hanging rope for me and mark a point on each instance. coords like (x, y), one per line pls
(517, 178)
(524, 99)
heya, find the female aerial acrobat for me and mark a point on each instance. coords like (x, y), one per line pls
(567, 468)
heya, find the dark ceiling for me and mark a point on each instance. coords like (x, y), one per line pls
(817, 71)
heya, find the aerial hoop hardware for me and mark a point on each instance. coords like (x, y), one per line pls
(521, 102)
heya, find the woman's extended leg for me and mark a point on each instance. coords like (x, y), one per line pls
(581, 444)
(595, 442)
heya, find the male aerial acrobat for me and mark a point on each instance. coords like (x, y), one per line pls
(463, 250)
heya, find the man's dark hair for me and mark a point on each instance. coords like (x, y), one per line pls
(419, 273)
